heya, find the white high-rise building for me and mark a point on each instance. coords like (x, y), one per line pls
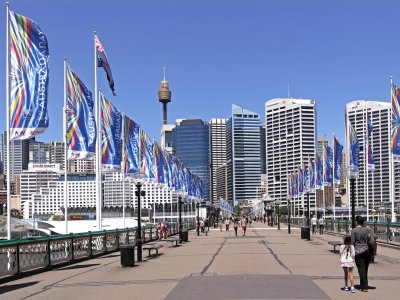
(56, 153)
(217, 152)
(19, 154)
(290, 143)
(373, 187)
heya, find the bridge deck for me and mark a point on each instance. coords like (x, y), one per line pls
(265, 264)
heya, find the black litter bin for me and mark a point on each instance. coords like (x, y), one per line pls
(127, 255)
(184, 236)
(305, 232)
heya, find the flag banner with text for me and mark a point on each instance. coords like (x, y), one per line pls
(337, 149)
(395, 122)
(81, 124)
(370, 156)
(111, 127)
(354, 146)
(312, 175)
(147, 156)
(131, 153)
(328, 165)
(319, 173)
(29, 78)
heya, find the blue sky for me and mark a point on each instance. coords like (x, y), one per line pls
(218, 53)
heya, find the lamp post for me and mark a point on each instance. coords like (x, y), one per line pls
(288, 206)
(265, 210)
(308, 209)
(198, 218)
(180, 217)
(352, 174)
(139, 193)
(277, 203)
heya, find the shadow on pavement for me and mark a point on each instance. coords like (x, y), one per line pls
(74, 267)
(9, 288)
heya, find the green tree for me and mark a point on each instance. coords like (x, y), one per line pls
(237, 210)
(338, 202)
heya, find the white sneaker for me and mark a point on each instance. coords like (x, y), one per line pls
(352, 289)
(346, 288)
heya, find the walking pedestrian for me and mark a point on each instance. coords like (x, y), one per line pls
(166, 228)
(202, 225)
(347, 255)
(227, 224)
(359, 238)
(244, 224)
(220, 223)
(235, 226)
(321, 225)
(206, 226)
(314, 224)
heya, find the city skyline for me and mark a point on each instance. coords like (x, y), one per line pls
(234, 51)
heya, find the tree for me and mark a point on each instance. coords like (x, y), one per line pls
(338, 202)
(237, 210)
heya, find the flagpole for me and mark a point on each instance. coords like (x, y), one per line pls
(98, 161)
(65, 149)
(391, 173)
(8, 121)
(366, 156)
(123, 167)
(323, 179)
(333, 175)
(347, 163)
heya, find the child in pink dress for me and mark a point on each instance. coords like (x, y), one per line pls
(347, 254)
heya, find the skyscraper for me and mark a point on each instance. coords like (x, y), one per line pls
(56, 153)
(372, 187)
(19, 154)
(263, 149)
(243, 155)
(291, 143)
(190, 143)
(38, 152)
(217, 152)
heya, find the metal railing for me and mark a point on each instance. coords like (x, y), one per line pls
(41, 253)
(388, 233)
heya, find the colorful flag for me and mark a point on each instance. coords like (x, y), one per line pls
(394, 137)
(354, 146)
(81, 124)
(312, 175)
(131, 153)
(319, 173)
(111, 127)
(102, 62)
(147, 155)
(29, 78)
(337, 149)
(368, 149)
(305, 179)
(328, 157)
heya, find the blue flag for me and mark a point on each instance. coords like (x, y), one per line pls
(368, 149)
(328, 166)
(319, 173)
(81, 125)
(354, 147)
(111, 129)
(102, 62)
(28, 77)
(337, 148)
(131, 153)
(305, 180)
(312, 175)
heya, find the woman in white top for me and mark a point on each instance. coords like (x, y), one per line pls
(347, 255)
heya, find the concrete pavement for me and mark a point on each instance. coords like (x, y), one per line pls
(265, 264)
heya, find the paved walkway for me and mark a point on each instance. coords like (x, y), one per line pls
(265, 264)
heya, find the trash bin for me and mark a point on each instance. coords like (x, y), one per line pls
(184, 236)
(127, 255)
(305, 232)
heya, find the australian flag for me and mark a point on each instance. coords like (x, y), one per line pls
(102, 62)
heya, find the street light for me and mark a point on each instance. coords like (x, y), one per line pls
(352, 174)
(198, 218)
(139, 193)
(277, 203)
(288, 206)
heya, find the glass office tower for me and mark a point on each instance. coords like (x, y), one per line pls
(190, 144)
(243, 155)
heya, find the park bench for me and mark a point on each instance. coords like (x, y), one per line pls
(172, 240)
(335, 244)
(152, 247)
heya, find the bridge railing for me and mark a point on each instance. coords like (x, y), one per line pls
(24, 255)
(388, 233)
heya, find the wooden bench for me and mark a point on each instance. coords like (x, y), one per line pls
(335, 244)
(152, 247)
(172, 240)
